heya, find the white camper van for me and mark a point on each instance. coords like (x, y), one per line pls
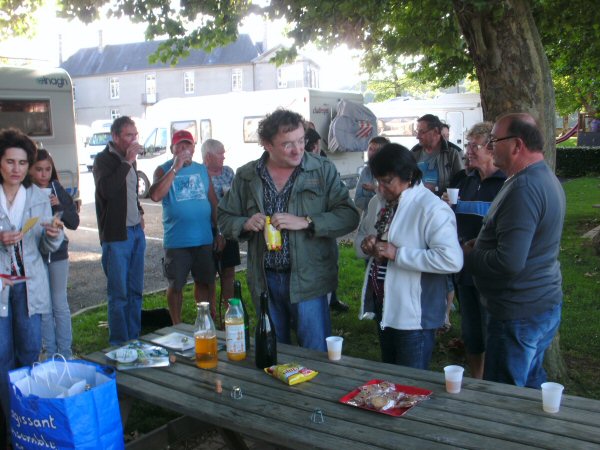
(39, 102)
(397, 118)
(233, 119)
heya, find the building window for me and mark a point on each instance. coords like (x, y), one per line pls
(114, 114)
(236, 80)
(281, 81)
(151, 83)
(114, 88)
(188, 82)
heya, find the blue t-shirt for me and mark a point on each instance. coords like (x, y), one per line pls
(429, 166)
(186, 208)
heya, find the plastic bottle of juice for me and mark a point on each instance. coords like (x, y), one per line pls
(234, 331)
(205, 338)
(272, 236)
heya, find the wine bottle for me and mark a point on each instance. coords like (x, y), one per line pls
(265, 339)
(237, 293)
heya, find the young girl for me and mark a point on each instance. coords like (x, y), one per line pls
(56, 326)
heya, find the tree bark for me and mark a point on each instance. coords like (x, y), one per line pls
(510, 63)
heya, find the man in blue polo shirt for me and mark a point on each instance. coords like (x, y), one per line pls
(189, 221)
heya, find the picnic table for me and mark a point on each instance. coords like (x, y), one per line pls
(483, 415)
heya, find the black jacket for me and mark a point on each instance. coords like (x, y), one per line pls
(70, 218)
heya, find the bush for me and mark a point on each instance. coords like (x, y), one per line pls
(577, 162)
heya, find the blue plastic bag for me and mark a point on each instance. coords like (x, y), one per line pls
(87, 420)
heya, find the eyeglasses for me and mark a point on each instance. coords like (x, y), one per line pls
(475, 147)
(494, 140)
(385, 181)
(422, 132)
(290, 145)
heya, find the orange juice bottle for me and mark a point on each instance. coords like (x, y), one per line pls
(235, 331)
(205, 338)
(272, 236)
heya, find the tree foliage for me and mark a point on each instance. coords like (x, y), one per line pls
(16, 17)
(570, 32)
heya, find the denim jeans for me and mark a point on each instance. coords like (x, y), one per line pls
(515, 348)
(309, 318)
(56, 326)
(123, 264)
(473, 319)
(20, 339)
(411, 348)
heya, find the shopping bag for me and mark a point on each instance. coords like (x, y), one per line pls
(87, 420)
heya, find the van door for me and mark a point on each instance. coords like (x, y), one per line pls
(456, 120)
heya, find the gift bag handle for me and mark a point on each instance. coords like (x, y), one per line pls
(33, 374)
(65, 368)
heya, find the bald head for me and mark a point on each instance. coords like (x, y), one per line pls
(525, 127)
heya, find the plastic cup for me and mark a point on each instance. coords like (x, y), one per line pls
(454, 375)
(551, 396)
(334, 347)
(452, 195)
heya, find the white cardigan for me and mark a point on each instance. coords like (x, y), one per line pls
(424, 231)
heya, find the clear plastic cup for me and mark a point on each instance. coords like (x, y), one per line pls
(551, 396)
(334, 347)
(454, 375)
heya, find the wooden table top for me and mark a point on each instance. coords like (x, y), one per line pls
(482, 415)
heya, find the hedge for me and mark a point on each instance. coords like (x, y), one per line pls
(573, 162)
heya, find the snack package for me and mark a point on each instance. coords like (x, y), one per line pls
(291, 373)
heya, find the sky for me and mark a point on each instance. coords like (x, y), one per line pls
(339, 68)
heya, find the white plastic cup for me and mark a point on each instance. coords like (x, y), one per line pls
(452, 195)
(551, 396)
(334, 347)
(454, 375)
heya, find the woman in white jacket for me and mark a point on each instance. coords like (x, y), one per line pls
(409, 236)
(26, 229)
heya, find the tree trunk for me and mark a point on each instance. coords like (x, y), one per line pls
(511, 66)
(514, 76)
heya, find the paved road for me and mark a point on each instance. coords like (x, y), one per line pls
(87, 283)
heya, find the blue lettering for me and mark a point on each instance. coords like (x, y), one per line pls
(58, 82)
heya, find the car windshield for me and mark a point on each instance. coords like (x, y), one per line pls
(100, 139)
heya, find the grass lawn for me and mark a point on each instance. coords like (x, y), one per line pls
(579, 333)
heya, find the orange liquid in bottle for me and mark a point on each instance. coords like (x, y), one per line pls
(206, 352)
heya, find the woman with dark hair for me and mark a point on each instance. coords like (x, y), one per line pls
(409, 237)
(26, 230)
(56, 326)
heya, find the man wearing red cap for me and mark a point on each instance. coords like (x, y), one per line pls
(189, 221)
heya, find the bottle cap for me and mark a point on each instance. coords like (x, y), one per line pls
(234, 301)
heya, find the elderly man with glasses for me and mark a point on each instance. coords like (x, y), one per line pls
(514, 260)
(438, 161)
(306, 200)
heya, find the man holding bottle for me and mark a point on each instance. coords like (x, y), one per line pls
(308, 203)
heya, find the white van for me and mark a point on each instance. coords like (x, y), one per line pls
(233, 119)
(397, 118)
(39, 102)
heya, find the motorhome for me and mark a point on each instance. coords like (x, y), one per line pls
(397, 118)
(233, 119)
(39, 102)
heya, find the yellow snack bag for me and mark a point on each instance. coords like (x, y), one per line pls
(291, 373)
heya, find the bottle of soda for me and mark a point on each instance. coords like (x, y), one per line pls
(237, 293)
(265, 342)
(234, 331)
(205, 338)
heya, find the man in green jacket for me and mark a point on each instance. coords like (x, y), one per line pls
(306, 200)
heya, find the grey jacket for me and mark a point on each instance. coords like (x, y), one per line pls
(35, 241)
(319, 193)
